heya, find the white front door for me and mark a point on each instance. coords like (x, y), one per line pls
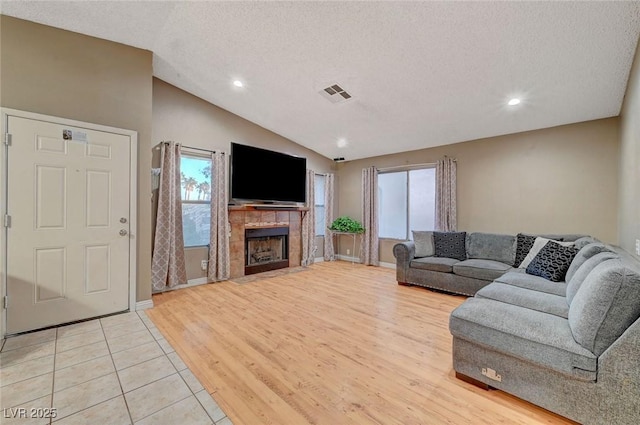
(68, 237)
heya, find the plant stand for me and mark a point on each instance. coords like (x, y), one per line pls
(353, 235)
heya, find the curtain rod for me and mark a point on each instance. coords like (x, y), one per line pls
(408, 166)
(196, 149)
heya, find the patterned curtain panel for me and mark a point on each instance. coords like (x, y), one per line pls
(446, 213)
(369, 250)
(168, 268)
(329, 253)
(219, 264)
(309, 222)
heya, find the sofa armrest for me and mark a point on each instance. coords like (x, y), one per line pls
(404, 252)
(619, 373)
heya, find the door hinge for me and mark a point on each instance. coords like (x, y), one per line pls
(5, 302)
(7, 139)
(7, 220)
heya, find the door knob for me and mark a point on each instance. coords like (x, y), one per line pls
(123, 232)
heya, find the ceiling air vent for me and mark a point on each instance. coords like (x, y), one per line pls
(335, 94)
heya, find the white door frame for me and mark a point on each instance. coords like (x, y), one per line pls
(133, 198)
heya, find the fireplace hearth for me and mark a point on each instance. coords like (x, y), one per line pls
(266, 249)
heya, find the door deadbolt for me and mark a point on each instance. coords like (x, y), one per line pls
(123, 220)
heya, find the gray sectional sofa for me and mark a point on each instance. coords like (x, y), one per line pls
(572, 347)
(488, 256)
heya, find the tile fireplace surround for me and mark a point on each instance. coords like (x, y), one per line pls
(246, 217)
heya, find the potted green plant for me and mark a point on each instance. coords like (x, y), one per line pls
(346, 225)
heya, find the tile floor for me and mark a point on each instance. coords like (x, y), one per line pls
(115, 370)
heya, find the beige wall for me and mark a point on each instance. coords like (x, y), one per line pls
(182, 117)
(629, 205)
(64, 74)
(555, 180)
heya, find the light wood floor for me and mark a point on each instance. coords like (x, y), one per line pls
(336, 344)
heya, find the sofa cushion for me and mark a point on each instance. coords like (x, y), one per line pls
(424, 243)
(450, 245)
(573, 285)
(552, 262)
(540, 338)
(491, 246)
(436, 264)
(536, 283)
(584, 241)
(534, 300)
(538, 244)
(605, 306)
(480, 269)
(584, 253)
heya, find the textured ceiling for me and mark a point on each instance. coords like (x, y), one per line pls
(421, 74)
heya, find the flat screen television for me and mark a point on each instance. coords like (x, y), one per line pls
(268, 177)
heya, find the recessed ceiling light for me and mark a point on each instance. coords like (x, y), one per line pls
(238, 83)
(341, 143)
(513, 102)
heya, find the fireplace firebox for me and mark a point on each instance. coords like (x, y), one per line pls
(266, 249)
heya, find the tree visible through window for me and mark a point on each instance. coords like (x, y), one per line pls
(406, 202)
(195, 177)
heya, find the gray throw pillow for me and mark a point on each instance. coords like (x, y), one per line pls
(574, 283)
(584, 253)
(552, 261)
(424, 243)
(450, 245)
(605, 306)
(491, 246)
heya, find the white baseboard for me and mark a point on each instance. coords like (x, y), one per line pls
(348, 258)
(143, 305)
(318, 260)
(197, 281)
(191, 282)
(357, 260)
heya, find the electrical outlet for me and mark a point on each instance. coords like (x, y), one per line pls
(637, 246)
(348, 251)
(204, 264)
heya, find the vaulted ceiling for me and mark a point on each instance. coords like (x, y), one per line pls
(420, 74)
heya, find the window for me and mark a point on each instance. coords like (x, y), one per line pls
(195, 177)
(406, 202)
(319, 200)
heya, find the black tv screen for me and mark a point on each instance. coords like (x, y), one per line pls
(266, 176)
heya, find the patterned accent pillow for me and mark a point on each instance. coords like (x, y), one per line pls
(539, 243)
(450, 245)
(552, 262)
(523, 246)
